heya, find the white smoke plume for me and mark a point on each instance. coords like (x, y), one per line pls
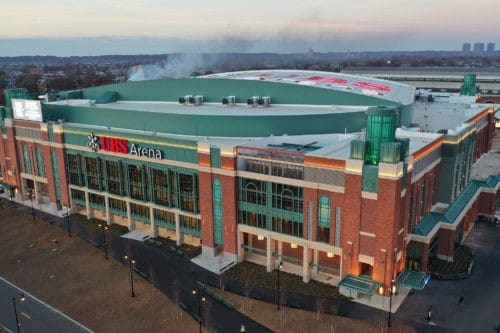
(177, 65)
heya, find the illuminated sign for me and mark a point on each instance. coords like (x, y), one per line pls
(116, 145)
(27, 109)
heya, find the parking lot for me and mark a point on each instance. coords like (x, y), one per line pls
(481, 292)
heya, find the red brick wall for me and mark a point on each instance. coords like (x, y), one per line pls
(310, 196)
(12, 164)
(329, 262)
(368, 207)
(205, 184)
(388, 213)
(351, 215)
(203, 159)
(228, 163)
(229, 215)
(446, 242)
(487, 203)
(367, 245)
(294, 253)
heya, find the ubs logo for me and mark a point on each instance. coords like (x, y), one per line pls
(93, 142)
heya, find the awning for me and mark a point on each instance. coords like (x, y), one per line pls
(413, 279)
(362, 284)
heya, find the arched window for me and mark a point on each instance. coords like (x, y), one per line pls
(324, 212)
(217, 211)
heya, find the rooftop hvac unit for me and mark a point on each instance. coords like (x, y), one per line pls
(185, 99)
(196, 100)
(253, 101)
(264, 101)
(229, 100)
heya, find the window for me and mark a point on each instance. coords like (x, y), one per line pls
(287, 197)
(190, 225)
(74, 169)
(288, 227)
(92, 171)
(253, 191)
(139, 210)
(135, 178)
(252, 219)
(160, 187)
(113, 174)
(323, 228)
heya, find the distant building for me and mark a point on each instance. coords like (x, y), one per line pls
(478, 47)
(490, 47)
(466, 47)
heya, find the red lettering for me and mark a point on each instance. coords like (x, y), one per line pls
(114, 145)
(104, 143)
(123, 146)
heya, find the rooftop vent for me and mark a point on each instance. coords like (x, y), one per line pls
(229, 100)
(263, 101)
(196, 100)
(185, 99)
(253, 101)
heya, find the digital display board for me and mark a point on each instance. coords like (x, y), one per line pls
(27, 109)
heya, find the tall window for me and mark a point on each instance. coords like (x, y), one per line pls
(135, 179)
(287, 197)
(113, 173)
(92, 170)
(253, 191)
(186, 187)
(160, 187)
(324, 219)
(27, 163)
(74, 169)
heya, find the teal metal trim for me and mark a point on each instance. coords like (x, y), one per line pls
(55, 172)
(336, 270)
(413, 279)
(361, 284)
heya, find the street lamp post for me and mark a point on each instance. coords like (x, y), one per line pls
(104, 228)
(391, 290)
(130, 262)
(67, 220)
(15, 310)
(280, 266)
(32, 209)
(201, 299)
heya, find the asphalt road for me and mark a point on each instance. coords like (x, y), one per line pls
(481, 292)
(34, 315)
(174, 276)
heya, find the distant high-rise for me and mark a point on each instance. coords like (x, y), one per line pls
(490, 47)
(478, 47)
(466, 47)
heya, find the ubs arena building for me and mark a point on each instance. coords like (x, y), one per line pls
(311, 169)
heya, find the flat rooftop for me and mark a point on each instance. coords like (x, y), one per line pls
(215, 109)
(388, 90)
(431, 117)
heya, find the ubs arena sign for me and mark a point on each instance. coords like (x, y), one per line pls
(120, 146)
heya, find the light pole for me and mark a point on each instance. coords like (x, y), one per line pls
(15, 309)
(391, 290)
(32, 209)
(280, 266)
(200, 300)
(104, 228)
(67, 220)
(130, 262)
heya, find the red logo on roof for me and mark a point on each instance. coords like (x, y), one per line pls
(373, 86)
(322, 79)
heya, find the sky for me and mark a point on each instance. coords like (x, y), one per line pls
(92, 27)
